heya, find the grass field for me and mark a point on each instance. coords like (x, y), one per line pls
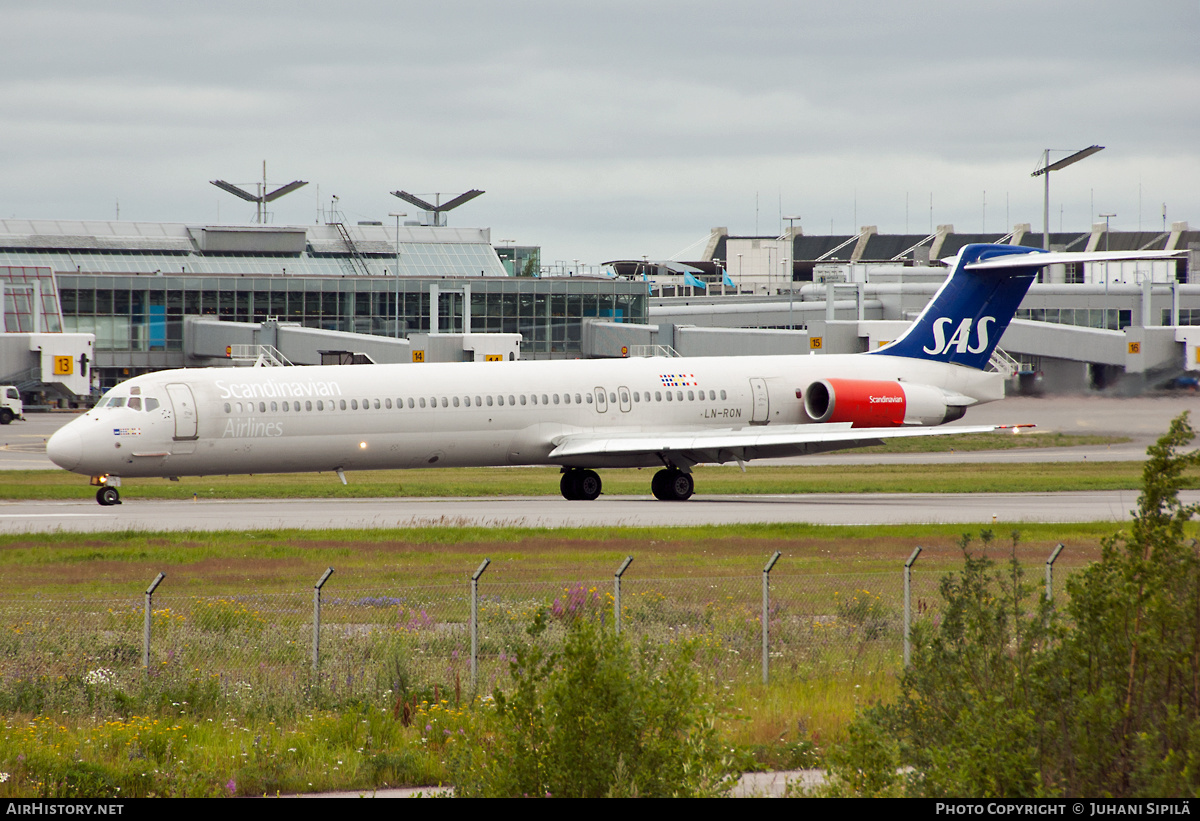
(723, 480)
(231, 706)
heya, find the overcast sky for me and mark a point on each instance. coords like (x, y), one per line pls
(606, 130)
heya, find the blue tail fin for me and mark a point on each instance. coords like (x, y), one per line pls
(966, 318)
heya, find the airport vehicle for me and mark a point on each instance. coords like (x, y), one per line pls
(11, 406)
(669, 413)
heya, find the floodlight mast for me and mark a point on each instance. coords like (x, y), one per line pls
(1045, 170)
(262, 198)
(437, 210)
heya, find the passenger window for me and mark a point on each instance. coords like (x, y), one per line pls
(722, 394)
(387, 404)
(353, 404)
(227, 408)
(489, 401)
(308, 405)
(612, 397)
(445, 404)
(522, 399)
(567, 398)
(479, 402)
(533, 398)
(669, 396)
(342, 404)
(578, 399)
(286, 407)
(588, 396)
(262, 407)
(545, 399)
(377, 404)
(422, 401)
(512, 400)
(275, 406)
(499, 400)
(410, 402)
(556, 398)
(456, 401)
(691, 396)
(321, 405)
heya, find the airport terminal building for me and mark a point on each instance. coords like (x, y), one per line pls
(133, 284)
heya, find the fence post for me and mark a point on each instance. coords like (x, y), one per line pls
(475, 624)
(146, 620)
(617, 592)
(766, 664)
(316, 654)
(908, 604)
(1050, 572)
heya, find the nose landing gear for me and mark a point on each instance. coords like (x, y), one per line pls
(108, 496)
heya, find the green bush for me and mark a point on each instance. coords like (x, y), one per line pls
(1007, 698)
(595, 719)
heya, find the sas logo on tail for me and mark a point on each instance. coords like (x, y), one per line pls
(961, 339)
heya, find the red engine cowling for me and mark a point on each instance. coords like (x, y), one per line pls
(878, 403)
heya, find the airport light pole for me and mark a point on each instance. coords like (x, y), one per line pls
(1107, 217)
(397, 306)
(1045, 170)
(512, 249)
(791, 264)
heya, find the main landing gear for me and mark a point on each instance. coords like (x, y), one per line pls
(669, 485)
(672, 485)
(580, 485)
(108, 496)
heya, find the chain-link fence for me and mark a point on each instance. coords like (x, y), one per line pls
(258, 648)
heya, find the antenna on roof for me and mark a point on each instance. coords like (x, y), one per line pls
(435, 212)
(263, 197)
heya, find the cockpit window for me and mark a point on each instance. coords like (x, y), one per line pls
(135, 403)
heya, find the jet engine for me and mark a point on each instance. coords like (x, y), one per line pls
(881, 403)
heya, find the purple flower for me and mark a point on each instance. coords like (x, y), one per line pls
(231, 785)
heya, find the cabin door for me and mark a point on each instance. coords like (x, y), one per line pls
(762, 406)
(184, 406)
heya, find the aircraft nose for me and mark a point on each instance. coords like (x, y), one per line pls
(65, 448)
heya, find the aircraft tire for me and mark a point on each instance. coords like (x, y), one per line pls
(569, 485)
(658, 485)
(681, 486)
(588, 485)
(108, 496)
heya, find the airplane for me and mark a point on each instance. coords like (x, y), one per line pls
(581, 415)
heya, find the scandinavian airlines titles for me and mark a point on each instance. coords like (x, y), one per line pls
(277, 390)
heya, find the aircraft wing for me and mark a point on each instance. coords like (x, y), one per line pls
(736, 444)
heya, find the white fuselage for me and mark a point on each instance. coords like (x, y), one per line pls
(357, 417)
